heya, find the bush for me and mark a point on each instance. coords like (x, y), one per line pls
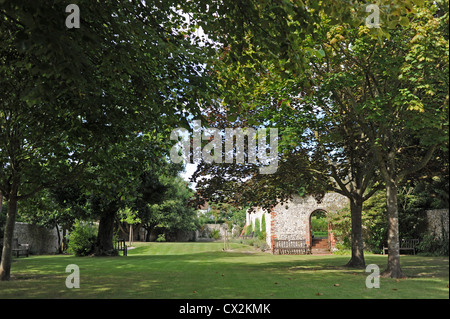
(319, 224)
(262, 235)
(161, 238)
(257, 230)
(257, 243)
(248, 229)
(431, 245)
(82, 239)
(215, 234)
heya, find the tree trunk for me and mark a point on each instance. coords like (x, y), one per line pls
(59, 239)
(149, 228)
(64, 240)
(131, 235)
(393, 269)
(357, 259)
(104, 245)
(5, 266)
(148, 232)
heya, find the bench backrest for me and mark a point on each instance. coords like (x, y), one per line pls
(289, 243)
(409, 243)
(120, 244)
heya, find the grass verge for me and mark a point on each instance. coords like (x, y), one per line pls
(204, 270)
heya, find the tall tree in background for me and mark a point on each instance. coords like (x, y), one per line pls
(383, 113)
(407, 118)
(394, 91)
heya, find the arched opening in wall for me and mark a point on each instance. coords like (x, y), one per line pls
(319, 232)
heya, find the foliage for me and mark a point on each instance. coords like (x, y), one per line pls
(214, 234)
(238, 216)
(161, 238)
(256, 242)
(174, 211)
(248, 229)
(341, 228)
(257, 228)
(233, 216)
(431, 245)
(203, 219)
(74, 102)
(319, 224)
(374, 224)
(71, 99)
(413, 202)
(128, 216)
(55, 206)
(82, 239)
(263, 234)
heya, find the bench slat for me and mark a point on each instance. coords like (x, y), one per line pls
(290, 247)
(121, 246)
(406, 244)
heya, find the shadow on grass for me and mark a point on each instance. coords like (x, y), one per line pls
(212, 273)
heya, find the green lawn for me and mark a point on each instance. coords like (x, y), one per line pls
(203, 270)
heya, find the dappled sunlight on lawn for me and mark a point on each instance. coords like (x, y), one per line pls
(204, 270)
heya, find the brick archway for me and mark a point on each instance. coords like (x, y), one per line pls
(292, 220)
(320, 245)
(309, 238)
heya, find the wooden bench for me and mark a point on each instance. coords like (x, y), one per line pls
(121, 246)
(291, 247)
(19, 249)
(406, 245)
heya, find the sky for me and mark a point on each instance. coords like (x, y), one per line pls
(190, 169)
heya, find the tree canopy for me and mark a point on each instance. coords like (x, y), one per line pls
(69, 95)
(89, 110)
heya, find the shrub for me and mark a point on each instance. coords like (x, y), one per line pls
(257, 243)
(319, 224)
(161, 238)
(248, 229)
(262, 235)
(82, 239)
(257, 233)
(215, 234)
(435, 246)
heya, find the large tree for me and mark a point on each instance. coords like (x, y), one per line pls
(393, 91)
(353, 64)
(66, 95)
(407, 117)
(319, 148)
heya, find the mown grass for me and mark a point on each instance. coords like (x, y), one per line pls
(203, 270)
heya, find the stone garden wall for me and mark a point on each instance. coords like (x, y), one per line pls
(41, 240)
(291, 221)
